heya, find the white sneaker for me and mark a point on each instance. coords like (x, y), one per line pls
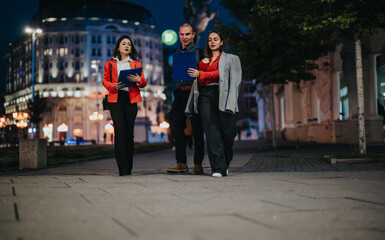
(217, 175)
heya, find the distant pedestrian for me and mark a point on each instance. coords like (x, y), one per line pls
(123, 100)
(216, 99)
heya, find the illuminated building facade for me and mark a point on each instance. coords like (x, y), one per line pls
(78, 37)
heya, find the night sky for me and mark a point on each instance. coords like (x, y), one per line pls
(15, 15)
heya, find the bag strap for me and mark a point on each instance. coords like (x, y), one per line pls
(111, 72)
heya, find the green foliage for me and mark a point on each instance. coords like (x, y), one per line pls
(348, 19)
(270, 41)
(278, 40)
(36, 108)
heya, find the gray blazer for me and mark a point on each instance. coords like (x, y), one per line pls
(230, 76)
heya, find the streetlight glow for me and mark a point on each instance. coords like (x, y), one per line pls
(169, 37)
(164, 125)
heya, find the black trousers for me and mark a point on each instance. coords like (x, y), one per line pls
(179, 124)
(123, 115)
(219, 128)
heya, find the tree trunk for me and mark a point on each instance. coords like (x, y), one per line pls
(349, 73)
(274, 138)
(360, 99)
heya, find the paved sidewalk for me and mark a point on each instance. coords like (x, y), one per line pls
(260, 199)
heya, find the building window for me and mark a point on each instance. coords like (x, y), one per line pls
(99, 39)
(344, 100)
(93, 39)
(380, 79)
(108, 39)
(282, 105)
(76, 40)
(93, 52)
(61, 65)
(319, 111)
(99, 52)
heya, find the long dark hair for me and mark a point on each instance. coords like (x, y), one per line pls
(133, 54)
(207, 52)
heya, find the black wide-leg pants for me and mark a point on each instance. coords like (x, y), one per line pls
(219, 128)
(123, 115)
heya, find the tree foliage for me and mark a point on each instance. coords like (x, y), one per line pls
(348, 19)
(278, 40)
(36, 108)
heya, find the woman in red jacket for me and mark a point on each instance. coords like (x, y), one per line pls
(123, 100)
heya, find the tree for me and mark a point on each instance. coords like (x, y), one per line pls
(36, 109)
(351, 20)
(271, 44)
(278, 40)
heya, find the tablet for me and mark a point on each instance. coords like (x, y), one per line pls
(125, 73)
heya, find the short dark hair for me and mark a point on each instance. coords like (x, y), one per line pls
(208, 51)
(186, 24)
(133, 54)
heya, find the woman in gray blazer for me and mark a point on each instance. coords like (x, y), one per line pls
(215, 96)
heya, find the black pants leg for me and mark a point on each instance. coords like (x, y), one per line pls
(179, 124)
(199, 141)
(123, 115)
(228, 128)
(219, 128)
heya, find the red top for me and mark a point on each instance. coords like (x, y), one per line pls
(209, 73)
(109, 82)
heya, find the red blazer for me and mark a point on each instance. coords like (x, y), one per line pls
(109, 82)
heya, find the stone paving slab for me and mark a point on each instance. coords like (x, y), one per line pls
(89, 201)
(333, 205)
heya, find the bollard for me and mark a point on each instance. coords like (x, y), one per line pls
(32, 153)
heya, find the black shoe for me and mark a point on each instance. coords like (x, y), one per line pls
(122, 172)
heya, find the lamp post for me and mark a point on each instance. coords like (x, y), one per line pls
(98, 115)
(33, 32)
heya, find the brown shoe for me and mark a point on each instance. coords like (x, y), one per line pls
(198, 170)
(178, 168)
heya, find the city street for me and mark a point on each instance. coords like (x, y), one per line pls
(286, 194)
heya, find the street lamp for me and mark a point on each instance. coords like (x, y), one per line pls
(96, 115)
(33, 31)
(20, 118)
